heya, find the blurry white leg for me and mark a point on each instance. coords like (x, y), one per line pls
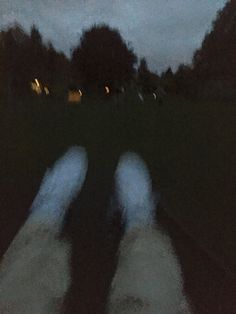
(148, 278)
(140, 96)
(59, 187)
(34, 272)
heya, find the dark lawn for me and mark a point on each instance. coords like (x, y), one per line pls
(190, 148)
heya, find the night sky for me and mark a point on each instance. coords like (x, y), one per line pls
(166, 32)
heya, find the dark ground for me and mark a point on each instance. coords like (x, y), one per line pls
(190, 149)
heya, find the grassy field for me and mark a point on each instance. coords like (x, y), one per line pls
(189, 146)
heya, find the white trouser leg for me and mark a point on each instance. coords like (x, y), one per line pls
(34, 272)
(148, 278)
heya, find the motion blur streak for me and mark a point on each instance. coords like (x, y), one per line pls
(34, 273)
(148, 277)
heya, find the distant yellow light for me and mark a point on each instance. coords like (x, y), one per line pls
(74, 96)
(37, 82)
(46, 90)
(107, 89)
(36, 88)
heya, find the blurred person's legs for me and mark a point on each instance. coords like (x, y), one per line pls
(148, 278)
(34, 272)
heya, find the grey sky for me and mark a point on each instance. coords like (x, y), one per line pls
(166, 32)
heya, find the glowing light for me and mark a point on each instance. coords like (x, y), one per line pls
(154, 95)
(37, 82)
(74, 96)
(36, 88)
(107, 89)
(46, 90)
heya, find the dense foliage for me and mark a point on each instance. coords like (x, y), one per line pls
(102, 57)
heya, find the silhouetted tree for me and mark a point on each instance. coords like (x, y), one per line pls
(10, 42)
(168, 81)
(17, 60)
(36, 50)
(57, 68)
(143, 70)
(102, 57)
(215, 63)
(147, 80)
(50, 63)
(24, 57)
(184, 80)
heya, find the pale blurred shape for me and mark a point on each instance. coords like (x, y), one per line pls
(134, 191)
(107, 89)
(35, 270)
(35, 86)
(46, 90)
(74, 96)
(59, 187)
(37, 82)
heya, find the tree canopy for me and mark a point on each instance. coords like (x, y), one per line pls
(147, 80)
(218, 46)
(24, 57)
(102, 57)
(213, 69)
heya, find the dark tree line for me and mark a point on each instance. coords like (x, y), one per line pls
(102, 58)
(216, 57)
(24, 57)
(214, 64)
(146, 79)
(213, 69)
